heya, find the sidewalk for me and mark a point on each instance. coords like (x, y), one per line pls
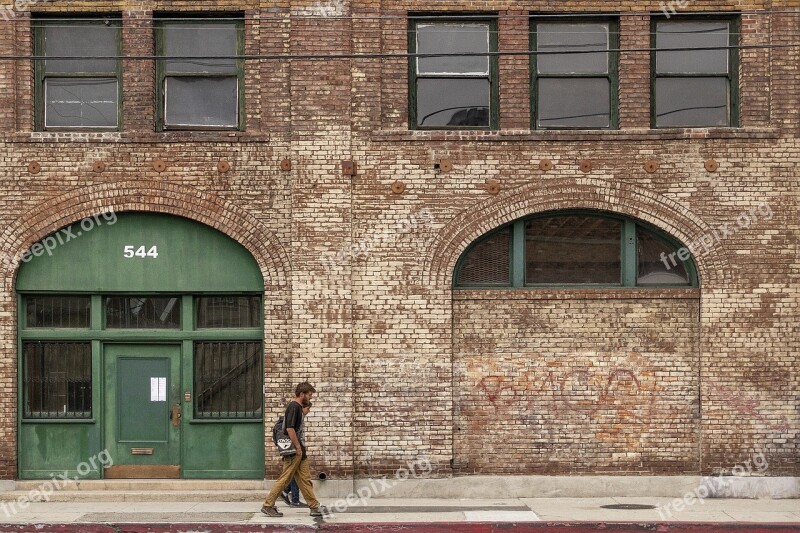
(424, 515)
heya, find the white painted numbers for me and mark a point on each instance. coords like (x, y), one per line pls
(131, 252)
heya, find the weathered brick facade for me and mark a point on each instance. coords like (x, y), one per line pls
(359, 296)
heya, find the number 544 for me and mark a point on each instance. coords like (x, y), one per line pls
(141, 251)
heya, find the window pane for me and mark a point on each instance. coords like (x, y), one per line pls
(67, 38)
(57, 311)
(558, 37)
(202, 101)
(573, 103)
(58, 379)
(453, 39)
(229, 312)
(692, 102)
(449, 102)
(658, 263)
(573, 249)
(692, 35)
(87, 102)
(488, 262)
(203, 40)
(227, 379)
(142, 312)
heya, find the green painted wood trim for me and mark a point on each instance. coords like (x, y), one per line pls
(40, 74)
(494, 70)
(518, 254)
(612, 76)
(628, 260)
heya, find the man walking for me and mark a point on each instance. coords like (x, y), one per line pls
(295, 466)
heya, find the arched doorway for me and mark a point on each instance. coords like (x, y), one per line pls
(140, 342)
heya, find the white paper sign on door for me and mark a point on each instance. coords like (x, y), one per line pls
(158, 389)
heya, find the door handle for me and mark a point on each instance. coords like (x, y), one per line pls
(175, 415)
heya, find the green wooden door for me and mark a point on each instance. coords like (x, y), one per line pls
(143, 414)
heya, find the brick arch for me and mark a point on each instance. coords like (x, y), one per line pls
(571, 193)
(149, 196)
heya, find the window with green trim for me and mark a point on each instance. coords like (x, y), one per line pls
(575, 249)
(81, 93)
(57, 379)
(206, 92)
(453, 85)
(227, 379)
(574, 73)
(695, 74)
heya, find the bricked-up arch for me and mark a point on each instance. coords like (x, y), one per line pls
(579, 193)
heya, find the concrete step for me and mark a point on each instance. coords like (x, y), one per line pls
(38, 495)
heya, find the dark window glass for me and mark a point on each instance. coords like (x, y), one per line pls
(574, 103)
(693, 87)
(90, 102)
(681, 35)
(143, 312)
(573, 249)
(201, 93)
(453, 39)
(194, 101)
(209, 40)
(227, 379)
(453, 91)
(573, 89)
(58, 311)
(692, 102)
(488, 262)
(229, 312)
(57, 379)
(448, 102)
(78, 93)
(572, 38)
(658, 261)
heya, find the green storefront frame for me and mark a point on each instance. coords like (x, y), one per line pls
(218, 446)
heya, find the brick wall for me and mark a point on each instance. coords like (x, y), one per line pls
(359, 278)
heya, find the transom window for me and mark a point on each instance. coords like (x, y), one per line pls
(77, 93)
(459, 88)
(695, 73)
(203, 93)
(574, 74)
(575, 249)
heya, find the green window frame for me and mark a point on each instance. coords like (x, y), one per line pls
(209, 73)
(514, 271)
(418, 77)
(59, 73)
(731, 76)
(62, 332)
(573, 73)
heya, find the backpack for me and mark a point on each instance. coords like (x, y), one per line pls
(281, 440)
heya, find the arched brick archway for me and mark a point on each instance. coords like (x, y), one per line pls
(144, 196)
(565, 193)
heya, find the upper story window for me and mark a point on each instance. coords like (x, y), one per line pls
(570, 88)
(575, 249)
(202, 93)
(77, 93)
(695, 73)
(458, 89)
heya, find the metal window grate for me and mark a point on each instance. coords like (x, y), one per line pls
(227, 379)
(58, 311)
(488, 262)
(58, 379)
(229, 312)
(134, 312)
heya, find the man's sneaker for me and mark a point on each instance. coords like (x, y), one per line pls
(298, 504)
(285, 497)
(318, 511)
(271, 511)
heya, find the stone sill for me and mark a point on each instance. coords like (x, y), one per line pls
(613, 293)
(165, 137)
(636, 134)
